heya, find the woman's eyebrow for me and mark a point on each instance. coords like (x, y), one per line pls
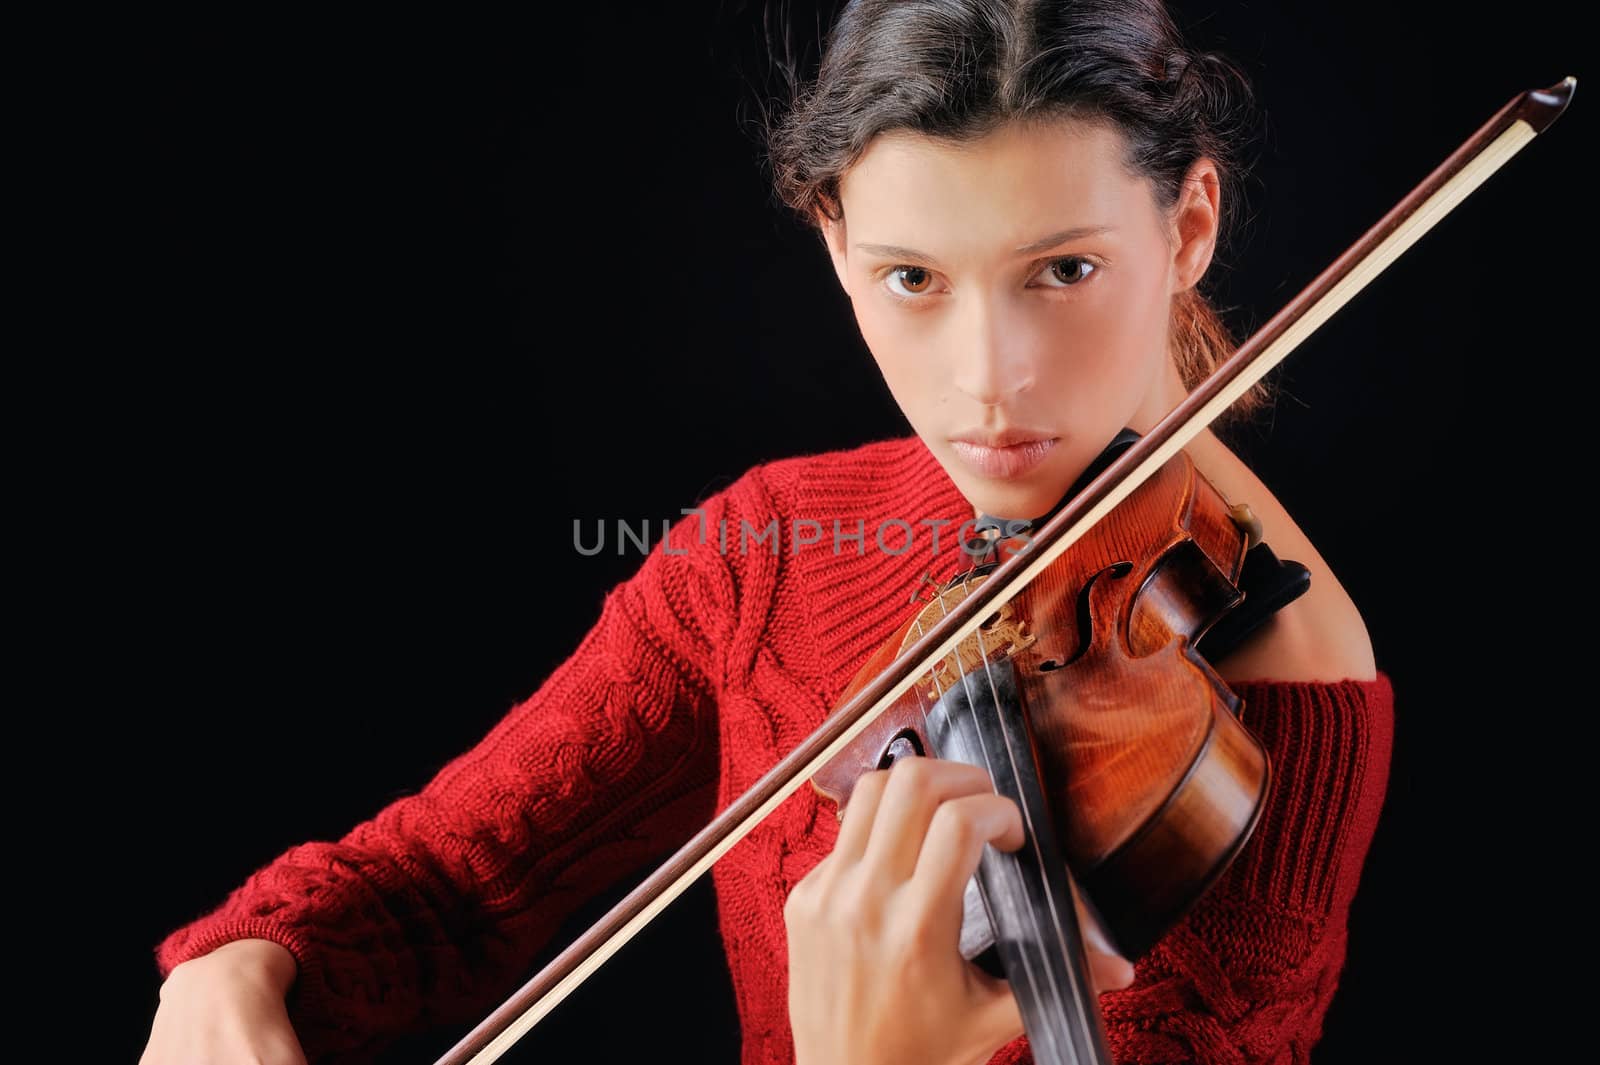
(911, 255)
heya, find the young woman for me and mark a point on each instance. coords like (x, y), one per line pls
(1021, 202)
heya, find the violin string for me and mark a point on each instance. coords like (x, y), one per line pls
(1033, 839)
(1028, 976)
(1011, 756)
(1057, 923)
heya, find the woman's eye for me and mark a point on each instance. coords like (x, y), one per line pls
(1062, 273)
(909, 280)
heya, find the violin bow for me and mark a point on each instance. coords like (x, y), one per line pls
(1496, 141)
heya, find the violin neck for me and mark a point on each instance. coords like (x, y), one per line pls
(1027, 893)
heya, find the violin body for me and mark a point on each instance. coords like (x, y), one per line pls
(1151, 782)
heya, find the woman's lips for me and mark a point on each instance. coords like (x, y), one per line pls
(1004, 462)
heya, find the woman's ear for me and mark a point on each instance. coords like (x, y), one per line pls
(833, 238)
(1195, 223)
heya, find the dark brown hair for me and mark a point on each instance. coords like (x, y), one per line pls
(958, 69)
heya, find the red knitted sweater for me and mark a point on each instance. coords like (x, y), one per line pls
(703, 669)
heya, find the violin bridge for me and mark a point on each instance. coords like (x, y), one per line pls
(1003, 632)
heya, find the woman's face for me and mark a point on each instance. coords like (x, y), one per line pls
(1019, 286)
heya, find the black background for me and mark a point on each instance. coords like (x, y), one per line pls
(357, 320)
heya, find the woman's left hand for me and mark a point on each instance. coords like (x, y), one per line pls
(875, 972)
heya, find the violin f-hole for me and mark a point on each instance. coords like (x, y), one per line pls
(906, 744)
(1086, 615)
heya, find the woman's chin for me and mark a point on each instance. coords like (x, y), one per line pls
(1026, 494)
(1029, 495)
(1013, 500)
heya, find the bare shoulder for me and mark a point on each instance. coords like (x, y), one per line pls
(1319, 637)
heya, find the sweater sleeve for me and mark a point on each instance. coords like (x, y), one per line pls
(1247, 976)
(434, 909)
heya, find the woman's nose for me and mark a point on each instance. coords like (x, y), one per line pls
(993, 359)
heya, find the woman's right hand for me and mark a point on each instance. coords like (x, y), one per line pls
(227, 1005)
(875, 972)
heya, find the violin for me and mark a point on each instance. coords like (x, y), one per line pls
(1086, 700)
(1069, 667)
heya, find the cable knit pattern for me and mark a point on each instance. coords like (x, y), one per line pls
(716, 658)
